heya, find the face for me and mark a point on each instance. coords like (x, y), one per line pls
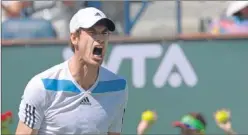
(91, 44)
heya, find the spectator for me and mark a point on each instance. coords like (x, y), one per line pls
(236, 20)
(12, 9)
(16, 25)
(58, 12)
(193, 123)
(238, 9)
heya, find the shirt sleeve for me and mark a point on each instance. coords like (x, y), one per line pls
(116, 126)
(33, 104)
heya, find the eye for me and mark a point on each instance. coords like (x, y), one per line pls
(105, 33)
(91, 32)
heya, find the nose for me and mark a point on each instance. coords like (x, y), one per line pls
(100, 39)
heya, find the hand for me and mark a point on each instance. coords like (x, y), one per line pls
(227, 126)
(144, 125)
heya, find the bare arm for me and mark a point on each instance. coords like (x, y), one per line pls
(22, 129)
(13, 9)
(146, 122)
(142, 127)
(230, 132)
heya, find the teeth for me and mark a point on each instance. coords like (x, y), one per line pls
(99, 46)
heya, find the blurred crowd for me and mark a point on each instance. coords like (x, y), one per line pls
(234, 20)
(50, 19)
(39, 19)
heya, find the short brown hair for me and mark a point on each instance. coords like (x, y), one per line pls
(77, 32)
(199, 117)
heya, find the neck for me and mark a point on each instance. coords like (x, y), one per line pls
(84, 74)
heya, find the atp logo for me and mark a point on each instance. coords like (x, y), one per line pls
(175, 57)
(165, 73)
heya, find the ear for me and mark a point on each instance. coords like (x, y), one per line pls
(74, 39)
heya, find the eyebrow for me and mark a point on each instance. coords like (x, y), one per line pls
(94, 30)
(105, 30)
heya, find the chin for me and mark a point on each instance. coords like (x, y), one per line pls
(96, 63)
(92, 62)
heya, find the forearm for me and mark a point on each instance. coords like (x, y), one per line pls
(231, 132)
(142, 127)
(24, 129)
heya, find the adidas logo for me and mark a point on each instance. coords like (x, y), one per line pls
(98, 14)
(85, 101)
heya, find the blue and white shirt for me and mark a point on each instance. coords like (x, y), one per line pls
(54, 103)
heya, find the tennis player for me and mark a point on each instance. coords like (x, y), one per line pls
(77, 96)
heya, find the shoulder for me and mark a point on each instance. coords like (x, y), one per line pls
(53, 72)
(36, 85)
(113, 85)
(111, 79)
(107, 75)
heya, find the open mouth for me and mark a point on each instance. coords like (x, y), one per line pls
(97, 51)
